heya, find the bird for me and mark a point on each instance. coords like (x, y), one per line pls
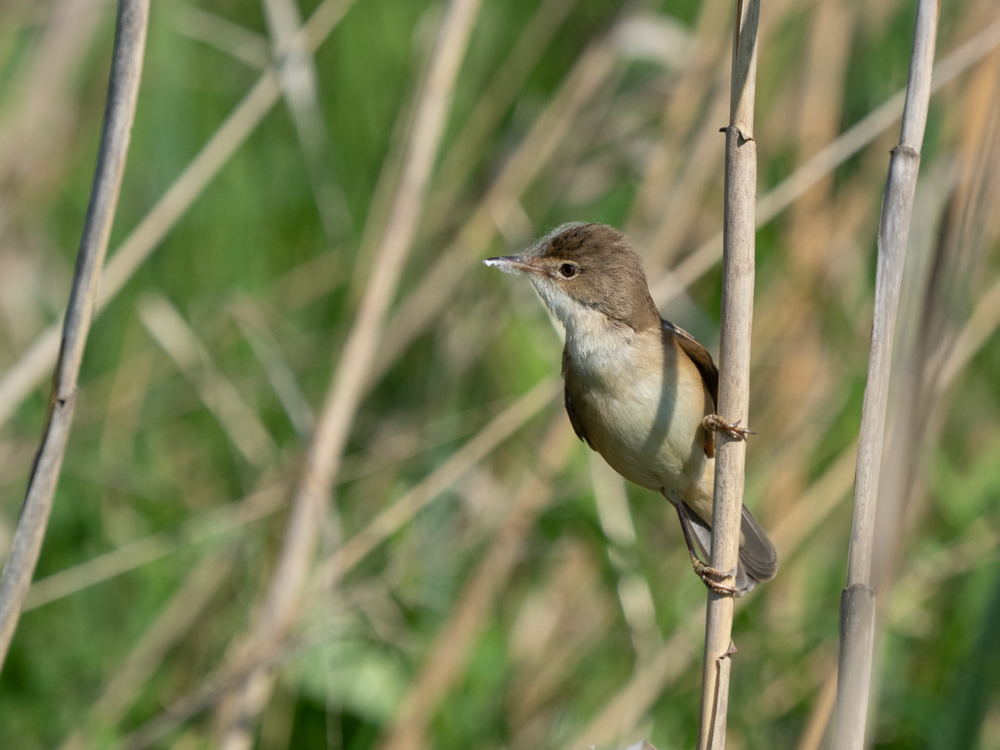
(639, 390)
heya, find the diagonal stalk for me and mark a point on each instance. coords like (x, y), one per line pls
(857, 603)
(123, 90)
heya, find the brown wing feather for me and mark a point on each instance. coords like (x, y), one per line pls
(698, 354)
(574, 418)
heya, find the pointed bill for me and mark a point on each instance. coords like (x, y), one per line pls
(516, 264)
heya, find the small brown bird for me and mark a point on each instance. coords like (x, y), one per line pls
(639, 390)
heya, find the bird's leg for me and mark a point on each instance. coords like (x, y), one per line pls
(710, 576)
(715, 423)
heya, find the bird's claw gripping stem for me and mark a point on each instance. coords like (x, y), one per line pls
(715, 423)
(712, 577)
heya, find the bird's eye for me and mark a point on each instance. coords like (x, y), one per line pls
(568, 270)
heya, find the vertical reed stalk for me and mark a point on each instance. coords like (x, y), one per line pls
(123, 89)
(857, 604)
(734, 365)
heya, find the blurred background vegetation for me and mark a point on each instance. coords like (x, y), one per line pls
(536, 601)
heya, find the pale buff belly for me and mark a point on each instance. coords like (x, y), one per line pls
(645, 421)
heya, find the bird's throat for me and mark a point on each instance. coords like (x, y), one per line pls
(598, 347)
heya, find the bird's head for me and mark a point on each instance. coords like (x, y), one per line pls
(579, 269)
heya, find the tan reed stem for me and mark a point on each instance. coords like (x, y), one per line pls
(857, 605)
(739, 231)
(123, 90)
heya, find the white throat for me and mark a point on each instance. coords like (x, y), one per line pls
(594, 342)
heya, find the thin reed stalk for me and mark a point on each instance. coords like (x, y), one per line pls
(123, 91)
(734, 368)
(857, 607)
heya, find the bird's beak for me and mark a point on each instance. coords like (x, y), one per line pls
(513, 264)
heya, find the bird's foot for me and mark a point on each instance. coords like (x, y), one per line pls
(715, 423)
(713, 577)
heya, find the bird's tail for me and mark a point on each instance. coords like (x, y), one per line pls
(757, 555)
(758, 561)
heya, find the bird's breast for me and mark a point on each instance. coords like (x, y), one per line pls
(640, 403)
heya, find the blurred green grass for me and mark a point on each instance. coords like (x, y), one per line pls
(162, 458)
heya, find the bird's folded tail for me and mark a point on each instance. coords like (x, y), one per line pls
(758, 561)
(757, 554)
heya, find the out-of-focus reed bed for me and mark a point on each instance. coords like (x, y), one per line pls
(478, 577)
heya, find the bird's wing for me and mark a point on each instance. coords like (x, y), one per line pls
(574, 418)
(697, 354)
